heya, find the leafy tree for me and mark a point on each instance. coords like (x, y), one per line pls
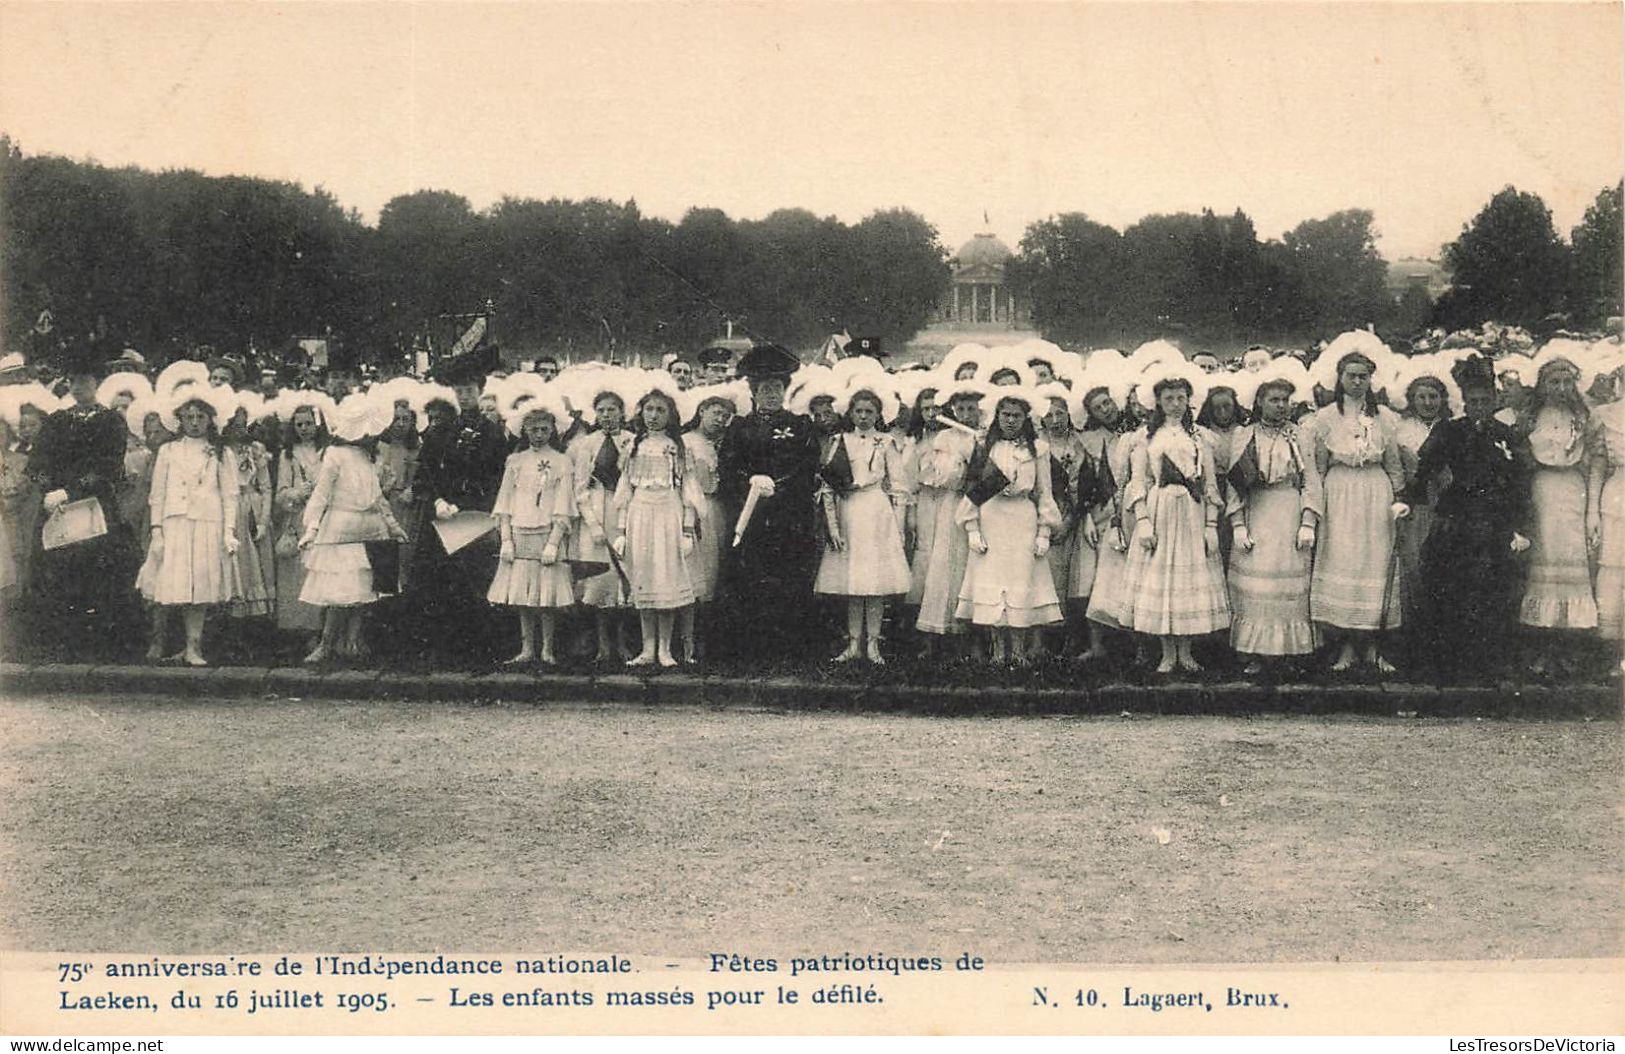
(1069, 269)
(1508, 264)
(1597, 277)
(1340, 276)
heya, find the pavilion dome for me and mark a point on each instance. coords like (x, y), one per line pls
(983, 250)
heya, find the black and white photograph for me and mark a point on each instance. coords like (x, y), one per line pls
(800, 517)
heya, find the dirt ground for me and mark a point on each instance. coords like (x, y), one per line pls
(171, 826)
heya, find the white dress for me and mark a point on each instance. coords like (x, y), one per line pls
(537, 498)
(1558, 592)
(1176, 589)
(1356, 577)
(705, 561)
(593, 501)
(347, 509)
(942, 468)
(1269, 586)
(656, 497)
(193, 500)
(870, 562)
(1009, 585)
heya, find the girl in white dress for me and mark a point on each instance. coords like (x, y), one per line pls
(597, 458)
(1355, 588)
(191, 557)
(1008, 587)
(1274, 511)
(1174, 581)
(1558, 596)
(942, 467)
(713, 408)
(346, 510)
(1605, 522)
(535, 508)
(656, 509)
(304, 417)
(1067, 460)
(865, 481)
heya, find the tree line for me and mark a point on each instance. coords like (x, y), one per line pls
(1210, 277)
(166, 261)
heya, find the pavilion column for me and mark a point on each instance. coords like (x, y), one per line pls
(957, 316)
(976, 303)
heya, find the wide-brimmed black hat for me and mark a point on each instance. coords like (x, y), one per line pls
(1474, 371)
(82, 359)
(767, 360)
(469, 367)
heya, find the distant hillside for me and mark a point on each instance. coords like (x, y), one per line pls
(1431, 273)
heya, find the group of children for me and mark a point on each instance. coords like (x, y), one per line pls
(1023, 500)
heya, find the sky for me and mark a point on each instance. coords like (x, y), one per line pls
(1419, 112)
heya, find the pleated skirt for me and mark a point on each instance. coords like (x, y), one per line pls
(1176, 589)
(927, 508)
(189, 565)
(944, 571)
(530, 583)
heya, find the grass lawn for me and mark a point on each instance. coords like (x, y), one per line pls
(170, 826)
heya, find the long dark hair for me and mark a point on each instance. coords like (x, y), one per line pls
(916, 420)
(215, 439)
(1158, 418)
(1270, 385)
(290, 439)
(673, 430)
(1205, 416)
(1571, 400)
(1027, 436)
(1370, 393)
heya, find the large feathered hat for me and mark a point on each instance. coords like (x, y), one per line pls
(221, 403)
(13, 397)
(874, 383)
(134, 385)
(136, 414)
(1161, 371)
(361, 415)
(1007, 360)
(963, 354)
(735, 393)
(528, 395)
(292, 400)
(1355, 341)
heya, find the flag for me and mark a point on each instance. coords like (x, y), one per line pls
(469, 339)
(834, 349)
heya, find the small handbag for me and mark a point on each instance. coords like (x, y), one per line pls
(77, 521)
